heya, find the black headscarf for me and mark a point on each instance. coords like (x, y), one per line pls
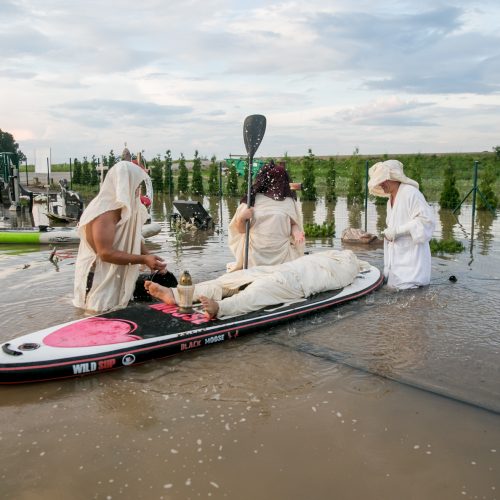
(272, 181)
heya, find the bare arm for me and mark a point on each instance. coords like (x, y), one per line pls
(101, 235)
(241, 221)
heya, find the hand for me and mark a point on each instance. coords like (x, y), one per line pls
(389, 233)
(298, 235)
(246, 214)
(155, 263)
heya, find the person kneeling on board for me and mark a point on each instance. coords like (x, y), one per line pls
(276, 229)
(111, 244)
(246, 290)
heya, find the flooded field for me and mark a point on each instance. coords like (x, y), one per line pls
(395, 395)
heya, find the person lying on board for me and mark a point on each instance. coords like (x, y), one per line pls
(276, 228)
(111, 244)
(248, 290)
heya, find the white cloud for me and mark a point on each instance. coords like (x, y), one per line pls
(390, 76)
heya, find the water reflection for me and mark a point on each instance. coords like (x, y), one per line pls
(448, 221)
(355, 216)
(20, 219)
(484, 221)
(308, 210)
(330, 211)
(159, 208)
(232, 204)
(214, 209)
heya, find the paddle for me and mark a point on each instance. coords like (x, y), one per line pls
(254, 128)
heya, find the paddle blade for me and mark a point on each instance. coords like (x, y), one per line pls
(254, 128)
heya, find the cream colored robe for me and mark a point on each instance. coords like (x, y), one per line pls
(283, 283)
(407, 260)
(271, 242)
(113, 285)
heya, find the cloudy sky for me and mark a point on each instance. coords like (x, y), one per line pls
(84, 77)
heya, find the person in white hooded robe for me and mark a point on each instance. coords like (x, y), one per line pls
(246, 290)
(410, 224)
(111, 246)
(276, 230)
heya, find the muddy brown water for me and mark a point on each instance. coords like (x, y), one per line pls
(393, 396)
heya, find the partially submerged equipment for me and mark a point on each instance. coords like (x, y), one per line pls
(143, 331)
(193, 211)
(44, 235)
(11, 191)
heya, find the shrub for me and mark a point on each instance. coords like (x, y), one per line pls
(486, 188)
(86, 176)
(77, 172)
(94, 174)
(157, 174)
(450, 198)
(308, 179)
(325, 230)
(446, 246)
(183, 179)
(213, 177)
(232, 182)
(355, 193)
(168, 182)
(197, 183)
(331, 176)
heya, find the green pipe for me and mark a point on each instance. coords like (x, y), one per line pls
(20, 237)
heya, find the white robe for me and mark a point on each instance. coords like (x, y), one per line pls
(113, 284)
(270, 242)
(283, 283)
(407, 260)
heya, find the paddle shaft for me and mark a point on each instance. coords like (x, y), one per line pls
(249, 198)
(254, 128)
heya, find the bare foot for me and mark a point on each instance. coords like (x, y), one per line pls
(160, 292)
(211, 307)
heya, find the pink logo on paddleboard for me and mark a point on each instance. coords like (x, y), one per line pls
(196, 318)
(93, 332)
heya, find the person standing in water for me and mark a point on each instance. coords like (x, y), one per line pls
(410, 224)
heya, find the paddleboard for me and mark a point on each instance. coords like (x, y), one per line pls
(144, 331)
(54, 235)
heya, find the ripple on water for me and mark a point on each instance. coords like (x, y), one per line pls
(246, 370)
(36, 295)
(359, 382)
(423, 337)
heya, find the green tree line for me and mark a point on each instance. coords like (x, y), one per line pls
(442, 178)
(446, 178)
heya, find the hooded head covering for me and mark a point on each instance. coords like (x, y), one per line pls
(117, 191)
(272, 181)
(126, 154)
(389, 170)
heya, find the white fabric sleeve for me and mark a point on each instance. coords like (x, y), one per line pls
(421, 225)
